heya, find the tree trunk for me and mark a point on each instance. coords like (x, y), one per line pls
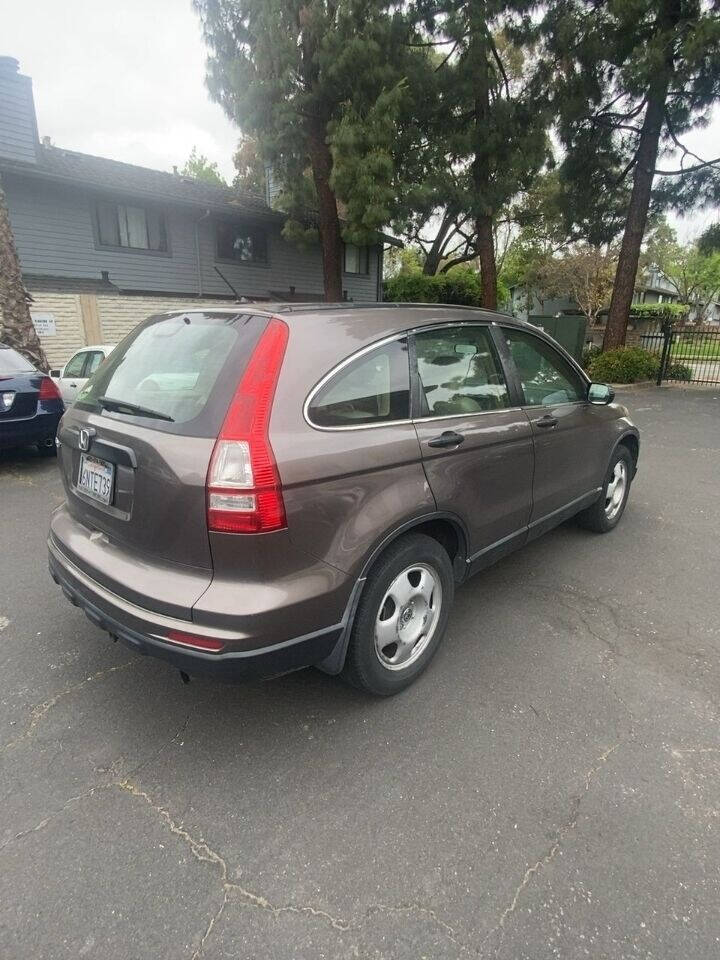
(16, 326)
(636, 222)
(486, 256)
(481, 166)
(328, 220)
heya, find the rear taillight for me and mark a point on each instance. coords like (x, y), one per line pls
(49, 390)
(243, 485)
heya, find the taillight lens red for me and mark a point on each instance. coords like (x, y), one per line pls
(49, 390)
(243, 486)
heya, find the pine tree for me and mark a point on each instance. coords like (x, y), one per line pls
(307, 77)
(631, 78)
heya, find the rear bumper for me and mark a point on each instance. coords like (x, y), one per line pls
(18, 433)
(142, 630)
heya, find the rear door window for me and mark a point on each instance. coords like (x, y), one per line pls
(373, 388)
(172, 367)
(459, 371)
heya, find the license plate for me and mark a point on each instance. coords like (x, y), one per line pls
(95, 478)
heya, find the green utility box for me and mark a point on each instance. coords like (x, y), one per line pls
(568, 330)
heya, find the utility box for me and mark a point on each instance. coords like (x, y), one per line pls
(568, 330)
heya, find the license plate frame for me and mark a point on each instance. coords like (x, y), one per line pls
(96, 478)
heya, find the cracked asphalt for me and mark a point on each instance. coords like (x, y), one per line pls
(549, 788)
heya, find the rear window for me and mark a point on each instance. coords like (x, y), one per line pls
(169, 371)
(13, 362)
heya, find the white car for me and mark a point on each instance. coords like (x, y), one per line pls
(74, 375)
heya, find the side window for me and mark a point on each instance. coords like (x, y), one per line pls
(374, 388)
(75, 367)
(459, 371)
(94, 360)
(545, 375)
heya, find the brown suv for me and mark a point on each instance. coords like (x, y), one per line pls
(250, 492)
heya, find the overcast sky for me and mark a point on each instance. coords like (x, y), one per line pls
(126, 80)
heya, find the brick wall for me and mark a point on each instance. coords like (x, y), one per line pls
(70, 334)
(119, 314)
(84, 319)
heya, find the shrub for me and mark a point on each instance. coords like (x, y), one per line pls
(679, 371)
(460, 285)
(588, 354)
(624, 365)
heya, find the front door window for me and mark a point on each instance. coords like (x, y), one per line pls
(546, 376)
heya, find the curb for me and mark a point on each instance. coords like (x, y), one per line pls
(633, 386)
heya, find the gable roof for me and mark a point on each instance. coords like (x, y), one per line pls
(69, 166)
(100, 173)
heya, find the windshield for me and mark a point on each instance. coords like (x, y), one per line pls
(12, 362)
(168, 367)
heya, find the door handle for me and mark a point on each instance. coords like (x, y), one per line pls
(546, 422)
(448, 438)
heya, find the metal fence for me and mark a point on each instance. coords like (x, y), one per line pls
(687, 354)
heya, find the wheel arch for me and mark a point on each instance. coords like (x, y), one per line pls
(630, 440)
(447, 528)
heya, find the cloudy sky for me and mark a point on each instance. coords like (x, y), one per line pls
(126, 80)
(119, 79)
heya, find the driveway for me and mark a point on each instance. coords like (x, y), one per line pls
(549, 788)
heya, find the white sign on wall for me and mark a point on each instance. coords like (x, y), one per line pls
(44, 323)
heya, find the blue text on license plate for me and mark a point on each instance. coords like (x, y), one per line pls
(95, 478)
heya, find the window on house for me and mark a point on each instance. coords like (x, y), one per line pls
(356, 259)
(235, 241)
(137, 228)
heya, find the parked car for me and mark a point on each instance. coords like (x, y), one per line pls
(80, 367)
(316, 490)
(30, 404)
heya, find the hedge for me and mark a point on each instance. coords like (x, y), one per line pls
(624, 365)
(460, 285)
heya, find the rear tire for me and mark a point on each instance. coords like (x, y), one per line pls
(402, 616)
(47, 447)
(605, 514)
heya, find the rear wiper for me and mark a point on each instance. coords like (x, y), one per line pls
(120, 406)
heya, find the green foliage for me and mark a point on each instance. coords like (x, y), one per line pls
(675, 312)
(250, 176)
(679, 371)
(588, 355)
(610, 61)
(200, 168)
(709, 240)
(461, 285)
(624, 365)
(300, 76)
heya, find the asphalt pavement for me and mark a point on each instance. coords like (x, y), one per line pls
(549, 788)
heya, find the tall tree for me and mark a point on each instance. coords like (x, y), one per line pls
(631, 78)
(299, 75)
(199, 167)
(492, 123)
(16, 326)
(250, 174)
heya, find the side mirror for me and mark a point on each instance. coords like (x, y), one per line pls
(55, 373)
(600, 394)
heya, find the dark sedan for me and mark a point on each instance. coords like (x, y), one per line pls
(30, 404)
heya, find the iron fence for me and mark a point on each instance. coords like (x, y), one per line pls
(687, 354)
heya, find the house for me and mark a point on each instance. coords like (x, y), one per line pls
(103, 244)
(653, 287)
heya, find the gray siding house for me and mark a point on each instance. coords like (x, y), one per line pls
(102, 244)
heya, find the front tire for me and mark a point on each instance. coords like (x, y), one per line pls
(402, 616)
(605, 514)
